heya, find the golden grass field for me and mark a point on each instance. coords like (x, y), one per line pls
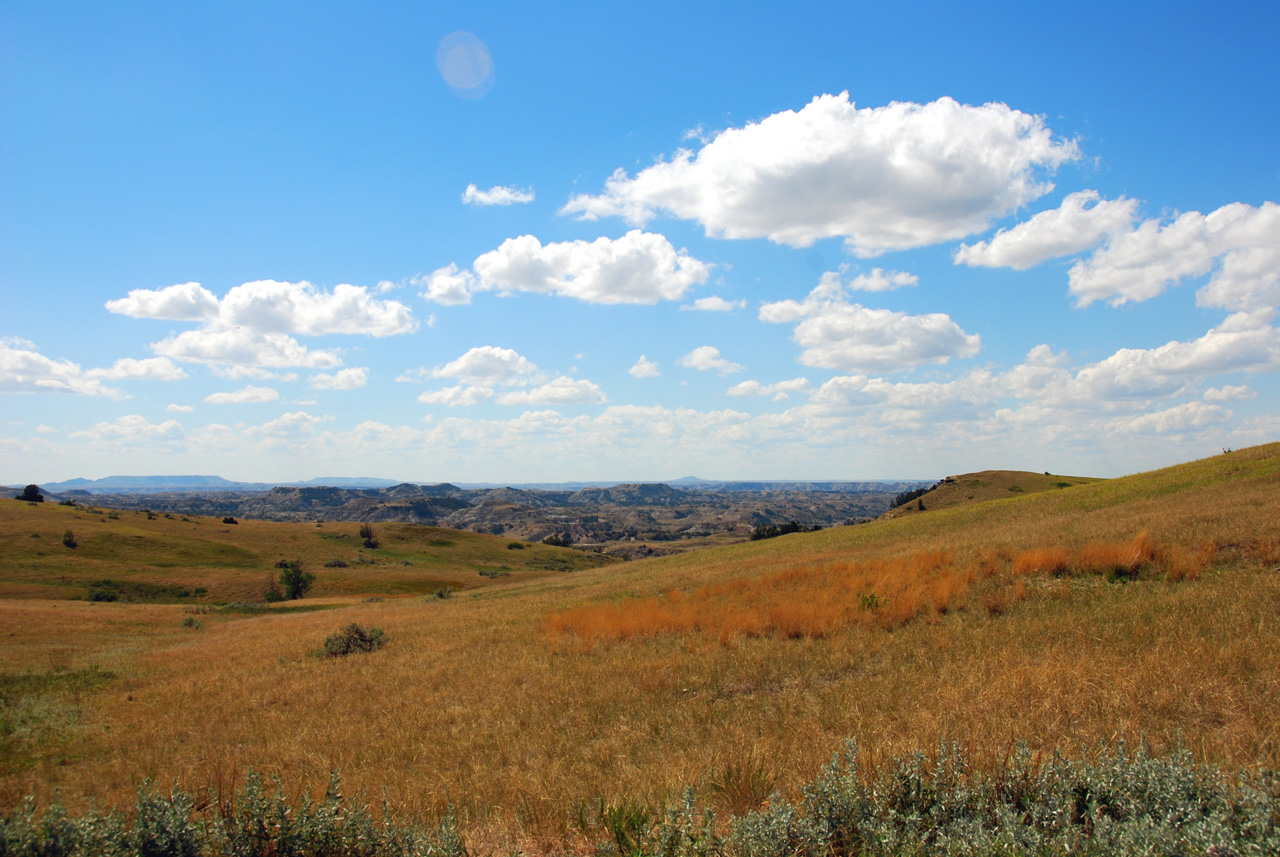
(1144, 608)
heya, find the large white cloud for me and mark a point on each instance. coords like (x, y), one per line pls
(638, 268)
(1141, 263)
(255, 323)
(270, 306)
(883, 178)
(1243, 342)
(181, 302)
(560, 391)
(1072, 227)
(243, 347)
(836, 334)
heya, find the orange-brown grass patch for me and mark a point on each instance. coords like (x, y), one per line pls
(1053, 561)
(802, 602)
(1140, 556)
(816, 601)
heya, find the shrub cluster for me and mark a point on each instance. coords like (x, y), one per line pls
(255, 822)
(772, 531)
(1119, 804)
(907, 496)
(353, 639)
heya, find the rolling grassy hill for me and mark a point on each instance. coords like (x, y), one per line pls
(1141, 608)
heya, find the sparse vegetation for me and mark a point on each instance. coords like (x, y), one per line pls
(367, 534)
(69, 539)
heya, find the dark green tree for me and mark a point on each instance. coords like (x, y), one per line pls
(31, 494)
(295, 580)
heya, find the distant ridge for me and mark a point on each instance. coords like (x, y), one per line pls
(163, 484)
(196, 483)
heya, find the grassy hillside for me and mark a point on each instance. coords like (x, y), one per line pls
(986, 485)
(1136, 608)
(212, 561)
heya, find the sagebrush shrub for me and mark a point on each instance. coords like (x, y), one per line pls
(353, 639)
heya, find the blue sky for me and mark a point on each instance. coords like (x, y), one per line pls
(501, 242)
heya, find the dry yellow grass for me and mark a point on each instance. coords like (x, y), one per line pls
(471, 703)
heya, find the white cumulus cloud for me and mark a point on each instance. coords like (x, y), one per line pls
(255, 323)
(883, 178)
(497, 195)
(1073, 227)
(133, 429)
(1189, 415)
(23, 369)
(459, 396)
(714, 304)
(880, 280)
(706, 358)
(836, 334)
(1141, 263)
(151, 368)
(638, 268)
(343, 379)
(242, 347)
(645, 368)
(489, 365)
(780, 390)
(561, 391)
(244, 396)
(1229, 393)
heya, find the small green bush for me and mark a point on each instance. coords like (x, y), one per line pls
(229, 520)
(69, 539)
(192, 622)
(515, 546)
(353, 639)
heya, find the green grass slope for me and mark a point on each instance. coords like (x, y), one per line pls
(215, 561)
